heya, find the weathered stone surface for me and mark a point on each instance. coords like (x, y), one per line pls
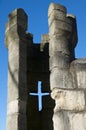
(79, 66)
(69, 99)
(57, 7)
(68, 76)
(45, 38)
(58, 44)
(19, 17)
(59, 25)
(61, 78)
(16, 121)
(44, 42)
(17, 68)
(16, 106)
(69, 120)
(77, 121)
(57, 15)
(60, 120)
(74, 36)
(28, 61)
(16, 26)
(59, 60)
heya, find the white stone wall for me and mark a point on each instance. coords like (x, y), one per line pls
(68, 75)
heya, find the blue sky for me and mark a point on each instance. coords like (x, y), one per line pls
(37, 11)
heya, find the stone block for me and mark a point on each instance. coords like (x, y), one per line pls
(56, 15)
(44, 43)
(19, 17)
(16, 92)
(61, 78)
(16, 122)
(45, 38)
(57, 7)
(79, 66)
(11, 37)
(59, 25)
(60, 120)
(14, 52)
(77, 121)
(69, 100)
(58, 44)
(69, 120)
(16, 106)
(74, 36)
(12, 122)
(59, 60)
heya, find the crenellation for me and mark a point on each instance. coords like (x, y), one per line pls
(20, 17)
(57, 7)
(53, 63)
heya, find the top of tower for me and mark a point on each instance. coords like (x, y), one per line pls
(54, 6)
(19, 17)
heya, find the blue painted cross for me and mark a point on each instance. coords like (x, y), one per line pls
(39, 94)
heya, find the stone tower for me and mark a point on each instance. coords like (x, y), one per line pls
(68, 74)
(53, 63)
(28, 63)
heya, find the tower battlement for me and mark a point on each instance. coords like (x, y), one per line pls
(52, 62)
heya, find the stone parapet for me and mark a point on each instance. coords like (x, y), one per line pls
(58, 7)
(19, 18)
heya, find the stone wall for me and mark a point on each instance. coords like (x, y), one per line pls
(53, 63)
(16, 43)
(68, 74)
(28, 63)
